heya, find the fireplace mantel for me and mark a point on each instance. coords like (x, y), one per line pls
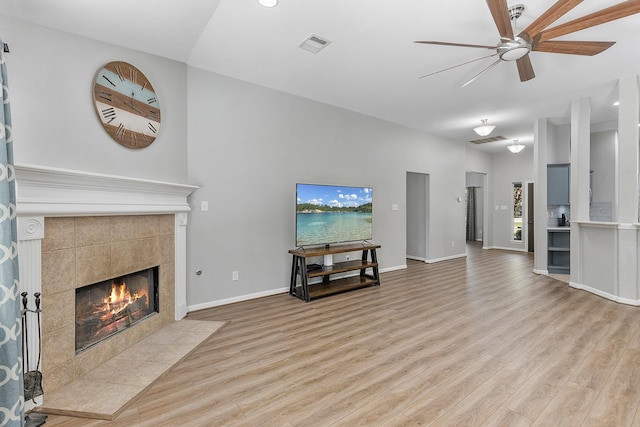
(48, 191)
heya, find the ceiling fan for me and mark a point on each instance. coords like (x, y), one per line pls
(538, 38)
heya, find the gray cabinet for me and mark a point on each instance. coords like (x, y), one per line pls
(559, 250)
(558, 184)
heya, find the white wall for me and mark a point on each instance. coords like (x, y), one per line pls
(54, 121)
(249, 145)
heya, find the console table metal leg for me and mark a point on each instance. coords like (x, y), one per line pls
(365, 257)
(374, 260)
(294, 272)
(303, 276)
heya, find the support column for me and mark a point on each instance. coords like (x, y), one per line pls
(580, 170)
(580, 158)
(627, 185)
(540, 148)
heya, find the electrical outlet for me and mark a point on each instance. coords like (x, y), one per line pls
(234, 275)
(204, 206)
(453, 244)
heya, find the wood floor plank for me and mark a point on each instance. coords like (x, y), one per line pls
(475, 341)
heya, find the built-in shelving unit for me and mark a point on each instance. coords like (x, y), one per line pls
(559, 250)
(303, 274)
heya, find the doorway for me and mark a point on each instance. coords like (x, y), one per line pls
(475, 206)
(417, 197)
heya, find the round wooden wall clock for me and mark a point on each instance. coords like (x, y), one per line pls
(126, 104)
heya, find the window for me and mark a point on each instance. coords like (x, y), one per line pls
(517, 211)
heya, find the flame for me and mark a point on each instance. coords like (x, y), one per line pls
(120, 298)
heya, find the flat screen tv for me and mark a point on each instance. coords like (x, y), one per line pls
(332, 214)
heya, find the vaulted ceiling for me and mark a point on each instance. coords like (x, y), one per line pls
(371, 65)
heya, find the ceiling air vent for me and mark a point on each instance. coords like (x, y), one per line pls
(314, 43)
(490, 139)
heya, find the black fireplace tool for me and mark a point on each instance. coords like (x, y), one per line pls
(32, 378)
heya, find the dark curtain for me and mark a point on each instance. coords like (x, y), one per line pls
(471, 213)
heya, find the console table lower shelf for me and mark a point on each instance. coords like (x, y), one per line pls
(302, 274)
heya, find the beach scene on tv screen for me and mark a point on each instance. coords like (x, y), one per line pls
(331, 213)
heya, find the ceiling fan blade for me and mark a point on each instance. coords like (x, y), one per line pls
(459, 65)
(621, 10)
(525, 69)
(573, 47)
(482, 72)
(455, 44)
(500, 14)
(550, 16)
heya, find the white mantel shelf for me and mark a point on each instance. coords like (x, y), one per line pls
(49, 191)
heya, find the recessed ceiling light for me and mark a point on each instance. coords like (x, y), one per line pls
(615, 104)
(268, 3)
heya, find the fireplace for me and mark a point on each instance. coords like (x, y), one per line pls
(111, 306)
(97, 227)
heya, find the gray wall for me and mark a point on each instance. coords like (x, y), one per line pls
(508, 168)
(245, 145)
(417, 215)
(603, 165)
(249, 145)
(54, 121)
(481, 163)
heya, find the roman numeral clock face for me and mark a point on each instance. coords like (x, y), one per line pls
(126, 104)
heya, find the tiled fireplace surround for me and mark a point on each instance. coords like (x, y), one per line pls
(77, 228)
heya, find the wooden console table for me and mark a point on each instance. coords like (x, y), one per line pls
(308, 291)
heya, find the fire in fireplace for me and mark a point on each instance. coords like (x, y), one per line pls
(108, 307)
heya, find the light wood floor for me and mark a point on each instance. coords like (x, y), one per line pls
(476, 341)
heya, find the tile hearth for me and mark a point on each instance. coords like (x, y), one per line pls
(104, 392)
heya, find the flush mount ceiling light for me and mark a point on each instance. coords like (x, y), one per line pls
(484, 129)
(268, 3)
(515, 148)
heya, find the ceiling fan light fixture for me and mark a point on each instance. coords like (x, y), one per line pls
(514, 53)
(515, 148)
(268, 3)
(484, 129)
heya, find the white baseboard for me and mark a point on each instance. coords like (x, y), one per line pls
(416, 258)
(543, 272)
(447, 258)
(271, 292)
(236, 299)
(397, 267)
(502, 248)
(181, 311)
(606, 295)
